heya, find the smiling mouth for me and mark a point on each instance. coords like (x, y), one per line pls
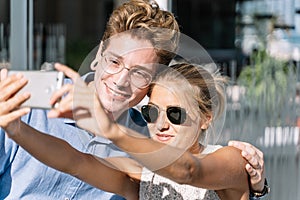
(164, 137)
(117, 94)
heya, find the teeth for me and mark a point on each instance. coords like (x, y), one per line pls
(164, 135)
(117, 93)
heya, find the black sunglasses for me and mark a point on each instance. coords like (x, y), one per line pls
(176, 115)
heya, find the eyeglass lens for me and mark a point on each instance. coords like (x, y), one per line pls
(176, 115)
(139, 77)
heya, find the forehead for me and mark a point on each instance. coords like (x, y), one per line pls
(163, 95)
(132, 50)
(167, 93)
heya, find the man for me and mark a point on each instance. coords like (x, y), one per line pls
(22, 176)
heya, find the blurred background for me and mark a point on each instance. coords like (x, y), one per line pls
(254, 42)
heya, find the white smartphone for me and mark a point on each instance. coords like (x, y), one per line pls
(41, 85)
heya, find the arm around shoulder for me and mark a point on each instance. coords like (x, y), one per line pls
(221, 170)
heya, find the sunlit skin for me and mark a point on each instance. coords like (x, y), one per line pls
(115, 91)
(163, 131)
(214, 168)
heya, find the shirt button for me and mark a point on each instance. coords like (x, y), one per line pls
(66, 199)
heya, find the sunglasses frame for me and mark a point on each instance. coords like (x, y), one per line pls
(183, 117)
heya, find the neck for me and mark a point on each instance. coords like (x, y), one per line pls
(114, 116)
(197, 148)
(111, 115)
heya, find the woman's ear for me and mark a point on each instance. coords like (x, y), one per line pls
(206, 122)
(95, 62)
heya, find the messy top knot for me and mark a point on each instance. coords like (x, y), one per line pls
(145, 20)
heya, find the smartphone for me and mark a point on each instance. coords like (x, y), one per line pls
(41, 85)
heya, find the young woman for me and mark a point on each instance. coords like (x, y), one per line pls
(182, 165)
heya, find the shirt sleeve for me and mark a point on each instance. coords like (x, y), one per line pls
(8, 149)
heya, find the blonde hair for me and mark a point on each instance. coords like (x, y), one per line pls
(146, 21)
(205, 88)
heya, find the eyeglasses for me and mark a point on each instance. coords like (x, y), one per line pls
(138, 77)
(176, 115)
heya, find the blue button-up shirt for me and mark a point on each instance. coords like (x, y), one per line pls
(24, 177)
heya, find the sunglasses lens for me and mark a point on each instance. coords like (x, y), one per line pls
(150, 113)
(176, 115)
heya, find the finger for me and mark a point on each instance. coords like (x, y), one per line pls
(56, 113)
(251, 171)
(3, 74)
(235, 143)
(53, 113)
(63, 105)
(255, 178)
(57, 95)
(63, 109)
(13, 103)
(67, 71)
(10, 86)
(240, 144)
(14, 115)
(252, 159)
(257, 155)
(10, 79)
(66, 104)
(258, 152)
(6, 119)
(244, 146)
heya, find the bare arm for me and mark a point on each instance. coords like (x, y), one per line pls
(58, 154)
(219, 170)
(174, 163)
(53, 151)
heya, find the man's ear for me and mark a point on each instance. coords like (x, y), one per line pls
(95, 62)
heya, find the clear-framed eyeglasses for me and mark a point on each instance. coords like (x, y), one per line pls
(138, 76)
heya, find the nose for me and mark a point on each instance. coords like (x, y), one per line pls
(123, 79)
(162, 123)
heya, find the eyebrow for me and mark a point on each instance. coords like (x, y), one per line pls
(114, 54)
(145, 69)
(152, 104)
(136, 66)
(176, 105)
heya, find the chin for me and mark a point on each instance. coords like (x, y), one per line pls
(114, 107)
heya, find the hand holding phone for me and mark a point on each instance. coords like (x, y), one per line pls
(41, 85)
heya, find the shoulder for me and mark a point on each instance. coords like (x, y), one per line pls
(136, 116)
(229, 158)
(233, 167)
(133, 119)
(230, 153)
(211, 148)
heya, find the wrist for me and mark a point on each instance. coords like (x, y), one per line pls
(13, 130)
(264, 192)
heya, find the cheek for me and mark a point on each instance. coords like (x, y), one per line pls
(152, 129)
(99, 74)
(100, 77)
(185, 136)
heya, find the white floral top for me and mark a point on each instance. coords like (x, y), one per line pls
(156, 187)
